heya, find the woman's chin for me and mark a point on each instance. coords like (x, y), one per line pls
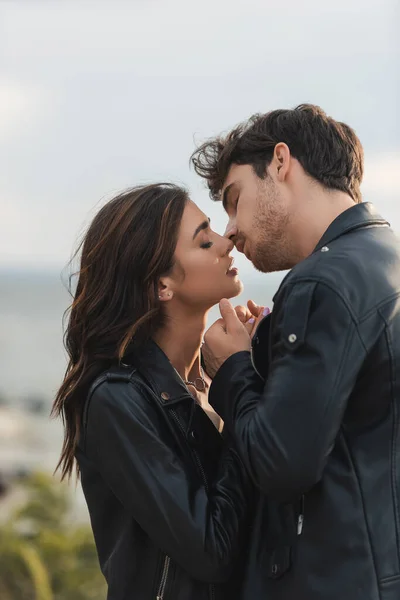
(232, 290)
(236, 288)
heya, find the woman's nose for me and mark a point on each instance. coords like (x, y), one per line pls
(229, 245)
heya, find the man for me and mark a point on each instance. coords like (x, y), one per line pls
(320, 432)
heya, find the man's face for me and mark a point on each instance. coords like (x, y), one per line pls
(259, 217)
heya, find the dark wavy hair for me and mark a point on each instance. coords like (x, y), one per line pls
(129, 245)
(328, 150)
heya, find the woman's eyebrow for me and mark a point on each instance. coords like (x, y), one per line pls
(203, 225)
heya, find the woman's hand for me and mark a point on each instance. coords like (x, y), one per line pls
(251, 315)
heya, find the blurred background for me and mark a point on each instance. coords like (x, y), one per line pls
(98, 96)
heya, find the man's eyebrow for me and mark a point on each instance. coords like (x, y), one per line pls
(203, 225)
(225, 195)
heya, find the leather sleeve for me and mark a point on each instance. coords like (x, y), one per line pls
(200, 531)
(285, 433)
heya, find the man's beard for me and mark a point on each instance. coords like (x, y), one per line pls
(272, 250)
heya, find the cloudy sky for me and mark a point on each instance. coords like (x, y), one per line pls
(96, 96)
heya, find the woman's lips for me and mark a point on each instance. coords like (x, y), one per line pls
(232, 271)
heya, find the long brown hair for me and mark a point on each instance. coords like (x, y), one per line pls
(129, 245)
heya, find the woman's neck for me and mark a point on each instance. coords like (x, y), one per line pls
(181, 340)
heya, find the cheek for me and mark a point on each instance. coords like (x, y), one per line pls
(206, 264)
(199, 266)
(244, 218)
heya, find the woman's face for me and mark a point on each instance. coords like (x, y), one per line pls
(203, 273)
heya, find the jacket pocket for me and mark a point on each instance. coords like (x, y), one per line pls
(390, 588)
(285, 524)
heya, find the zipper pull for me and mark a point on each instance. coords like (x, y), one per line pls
(300, 520)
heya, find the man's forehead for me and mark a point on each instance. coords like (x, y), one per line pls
(237, 174)
(231, 177)
(232, 182)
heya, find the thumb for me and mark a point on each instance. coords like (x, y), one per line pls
(254, 308)
(229, 315)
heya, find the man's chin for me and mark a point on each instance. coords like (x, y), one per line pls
(263, 266)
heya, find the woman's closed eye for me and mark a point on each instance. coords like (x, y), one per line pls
(206, 245)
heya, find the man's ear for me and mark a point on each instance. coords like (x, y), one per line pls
(281, 162)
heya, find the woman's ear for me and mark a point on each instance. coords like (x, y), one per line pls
(164, 291)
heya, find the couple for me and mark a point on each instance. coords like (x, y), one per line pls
(265, 464)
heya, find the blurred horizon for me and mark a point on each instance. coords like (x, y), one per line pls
(96, 98)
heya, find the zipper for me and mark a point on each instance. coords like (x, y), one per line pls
(164, 578)
(300, 518)
(252, 355)
(253, 343)
(211, 587)
(198, 461)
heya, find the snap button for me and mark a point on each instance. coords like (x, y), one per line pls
(165, 396)
(324, 249)
(292, 338)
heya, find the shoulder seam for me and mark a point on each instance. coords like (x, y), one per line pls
(329, 286)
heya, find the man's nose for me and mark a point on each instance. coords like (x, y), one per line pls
(230, 231)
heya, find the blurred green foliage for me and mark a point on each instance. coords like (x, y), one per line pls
(43, 555)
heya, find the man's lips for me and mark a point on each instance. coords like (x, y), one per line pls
(240, 246)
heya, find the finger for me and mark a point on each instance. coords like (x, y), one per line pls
(216, 326)
(254, 308)
(265, 311)
(243, 313)
(229, 315)
(249, 325)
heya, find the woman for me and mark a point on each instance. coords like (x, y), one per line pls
(168, 499)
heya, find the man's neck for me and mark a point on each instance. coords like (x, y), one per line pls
(180, 340)
(317, 215)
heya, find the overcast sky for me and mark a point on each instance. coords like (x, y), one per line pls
(97, 96)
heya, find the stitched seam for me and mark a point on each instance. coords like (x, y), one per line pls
(390, 579)
(387, 300)
(328, 285)
(342, 298)
(310, 297)
(364, 511)
(334, 387)
(380, 305)
(394, 436)
(355, 227)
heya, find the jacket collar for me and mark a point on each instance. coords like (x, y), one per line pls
(157, 370)
(359, 215)
(356, 217)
